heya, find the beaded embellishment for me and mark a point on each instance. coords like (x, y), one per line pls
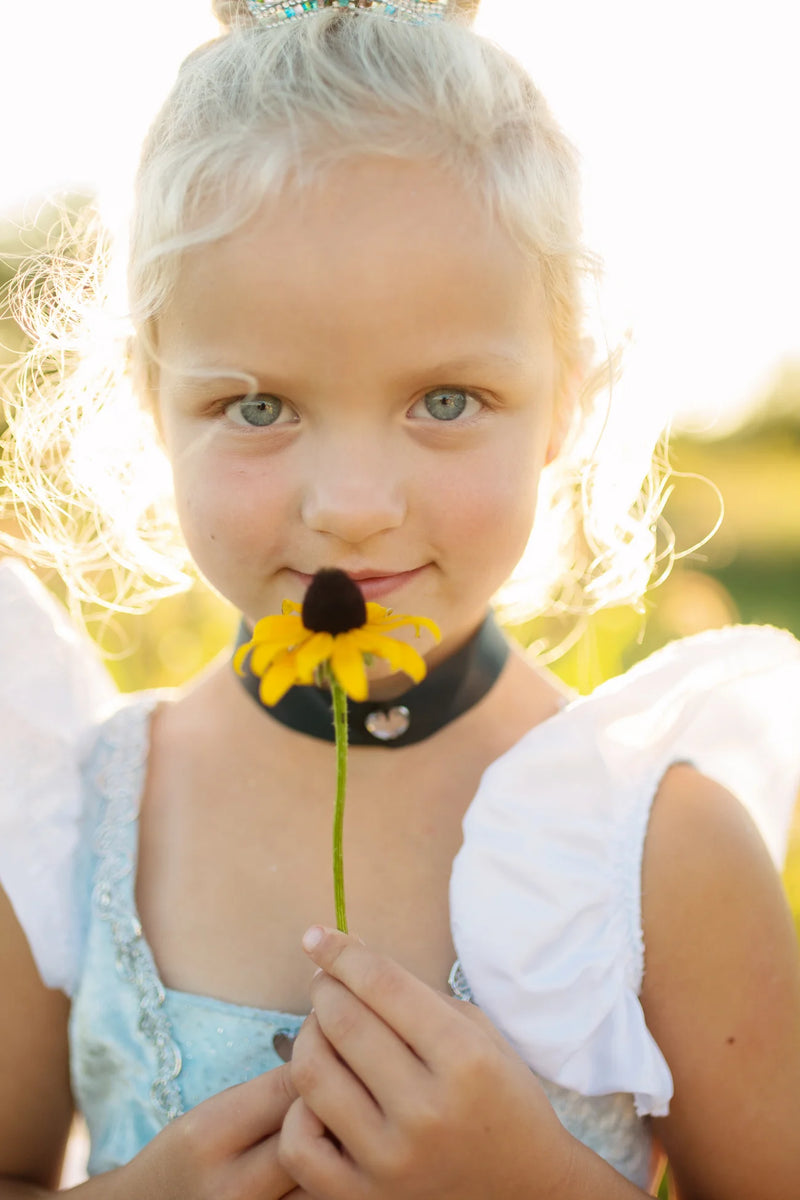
(459, 984)
(274, 12)
(119, 781)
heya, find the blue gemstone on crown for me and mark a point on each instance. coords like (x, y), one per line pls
(275, 12)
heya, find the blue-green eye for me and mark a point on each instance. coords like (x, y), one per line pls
(446, 404)
(258, 410)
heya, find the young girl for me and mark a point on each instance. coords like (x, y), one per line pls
(355, 285)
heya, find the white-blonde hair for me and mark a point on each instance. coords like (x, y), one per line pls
(253, 112)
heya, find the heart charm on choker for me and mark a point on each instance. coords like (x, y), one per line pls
(388, 726)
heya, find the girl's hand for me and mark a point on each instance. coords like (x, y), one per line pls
(421, 1095)
(225, 1147)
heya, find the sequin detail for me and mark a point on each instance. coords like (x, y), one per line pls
(275, 12)
(118, 782)
(459, 984)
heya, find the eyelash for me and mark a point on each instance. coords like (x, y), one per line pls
(265, 398)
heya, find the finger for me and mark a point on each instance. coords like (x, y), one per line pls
(259, 1171)
(307, 1153)
(334, 1094)
(420, 1016)
(247, 1113)
(387, 1067)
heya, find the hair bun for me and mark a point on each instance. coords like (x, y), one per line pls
(230, 13)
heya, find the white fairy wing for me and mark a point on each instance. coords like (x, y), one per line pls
(546, 890)
(52, 689)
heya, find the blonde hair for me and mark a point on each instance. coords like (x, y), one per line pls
(259, 110)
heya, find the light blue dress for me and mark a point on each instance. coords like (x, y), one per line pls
(141, 1053)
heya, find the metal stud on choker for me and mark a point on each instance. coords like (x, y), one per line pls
(275, 12)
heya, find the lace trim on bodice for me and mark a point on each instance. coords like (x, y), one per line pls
(119, 780)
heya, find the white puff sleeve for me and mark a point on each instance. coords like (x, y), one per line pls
(546, 890)
(52, 689)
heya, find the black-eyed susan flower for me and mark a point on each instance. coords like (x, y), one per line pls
(329, 639)
(334, 628)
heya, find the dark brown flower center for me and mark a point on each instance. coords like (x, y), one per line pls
(333, 603)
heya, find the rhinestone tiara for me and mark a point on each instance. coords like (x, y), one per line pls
(275, 12)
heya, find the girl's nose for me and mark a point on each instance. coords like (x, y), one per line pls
(353, 496)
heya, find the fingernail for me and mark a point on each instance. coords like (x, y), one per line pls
(312, 937)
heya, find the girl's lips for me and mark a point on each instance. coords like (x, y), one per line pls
(373, 587)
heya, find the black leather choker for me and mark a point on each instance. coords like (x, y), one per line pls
(447, 691)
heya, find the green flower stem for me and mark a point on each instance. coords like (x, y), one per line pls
(340, 732)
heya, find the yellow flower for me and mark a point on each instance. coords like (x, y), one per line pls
(334, 627)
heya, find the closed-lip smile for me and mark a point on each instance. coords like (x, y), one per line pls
(373, 581)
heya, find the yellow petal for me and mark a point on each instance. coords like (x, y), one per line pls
(395, 621)
(286, 629)
(311, 654)
(264, 654)
(399, 656)
(289, 606)
(240, 656)
(376, 612)
(279, 678)
(347, 664)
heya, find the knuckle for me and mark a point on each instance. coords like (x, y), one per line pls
(380, 978)
(394, 1159)
(341, 1023)
(473, 1057)
(415, 1138)
(426, 1120)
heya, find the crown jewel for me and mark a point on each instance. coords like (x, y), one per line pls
(274, 12)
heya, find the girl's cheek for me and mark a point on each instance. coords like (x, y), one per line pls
(225, 504)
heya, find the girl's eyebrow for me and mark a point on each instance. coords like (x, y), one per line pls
(192, 376)
(472, 362)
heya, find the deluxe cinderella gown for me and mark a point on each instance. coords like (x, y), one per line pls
(545, 891)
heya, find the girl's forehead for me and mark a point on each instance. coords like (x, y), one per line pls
(385, 244)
